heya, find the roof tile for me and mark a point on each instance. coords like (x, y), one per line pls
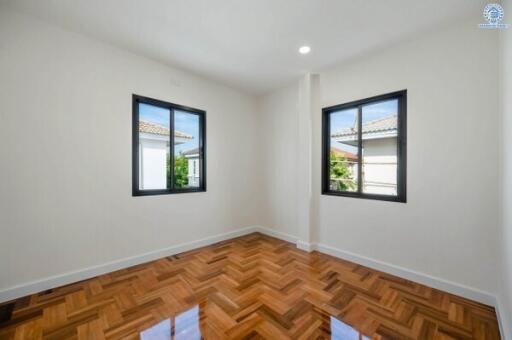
(147, 127)
(379, 125)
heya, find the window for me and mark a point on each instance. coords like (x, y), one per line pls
(364, 148)
(168, 148)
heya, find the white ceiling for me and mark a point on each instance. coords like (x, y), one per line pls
(249, 44)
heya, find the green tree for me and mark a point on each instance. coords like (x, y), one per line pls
(339, 173)
(180, 172)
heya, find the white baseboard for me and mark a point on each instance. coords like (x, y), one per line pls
(277, 234)
(83, 274)
(286, 237)
(504, 321)
(306, 246)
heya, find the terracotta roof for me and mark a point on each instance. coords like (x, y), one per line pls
(147, 127)
(348, 155)
(374, 126)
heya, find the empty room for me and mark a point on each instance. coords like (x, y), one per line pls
(242, 169)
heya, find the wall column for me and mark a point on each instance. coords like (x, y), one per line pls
(309, 117)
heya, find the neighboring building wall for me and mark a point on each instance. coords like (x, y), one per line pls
(153, 164)
(193, 170)
(153, 154)
(353, 167)
(380, 166)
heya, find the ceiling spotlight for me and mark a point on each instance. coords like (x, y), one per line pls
(304, 50)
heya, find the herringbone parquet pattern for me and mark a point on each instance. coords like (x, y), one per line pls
(250, 287)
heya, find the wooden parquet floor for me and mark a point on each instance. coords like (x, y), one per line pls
(252, 287)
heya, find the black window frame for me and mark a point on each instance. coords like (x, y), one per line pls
(401, 196)
(136, 100)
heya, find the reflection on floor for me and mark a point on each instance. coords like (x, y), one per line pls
(342, 331)
(250, 287)
(161, 330)
(186, 327)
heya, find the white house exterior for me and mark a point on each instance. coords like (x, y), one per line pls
(379, 158)
(193, 166)
(154, 150)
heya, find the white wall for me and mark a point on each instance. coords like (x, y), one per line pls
(448, 228)
(279, 116)
(65, 156)
(505, 297)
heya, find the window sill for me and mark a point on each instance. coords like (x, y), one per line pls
(165, 192)
(366, 196)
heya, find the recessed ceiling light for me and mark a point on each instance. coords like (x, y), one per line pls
(304, 50)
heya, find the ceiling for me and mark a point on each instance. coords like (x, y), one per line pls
(249, 44)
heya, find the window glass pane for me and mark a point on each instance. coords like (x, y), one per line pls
(380, 148)
(186, 150)
(343, 150)
(154, 149)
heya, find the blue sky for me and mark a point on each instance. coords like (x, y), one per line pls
(380, 110)
(347, 119)
(343, 120)
(154, 114)
(187, 123)
(183, 121)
